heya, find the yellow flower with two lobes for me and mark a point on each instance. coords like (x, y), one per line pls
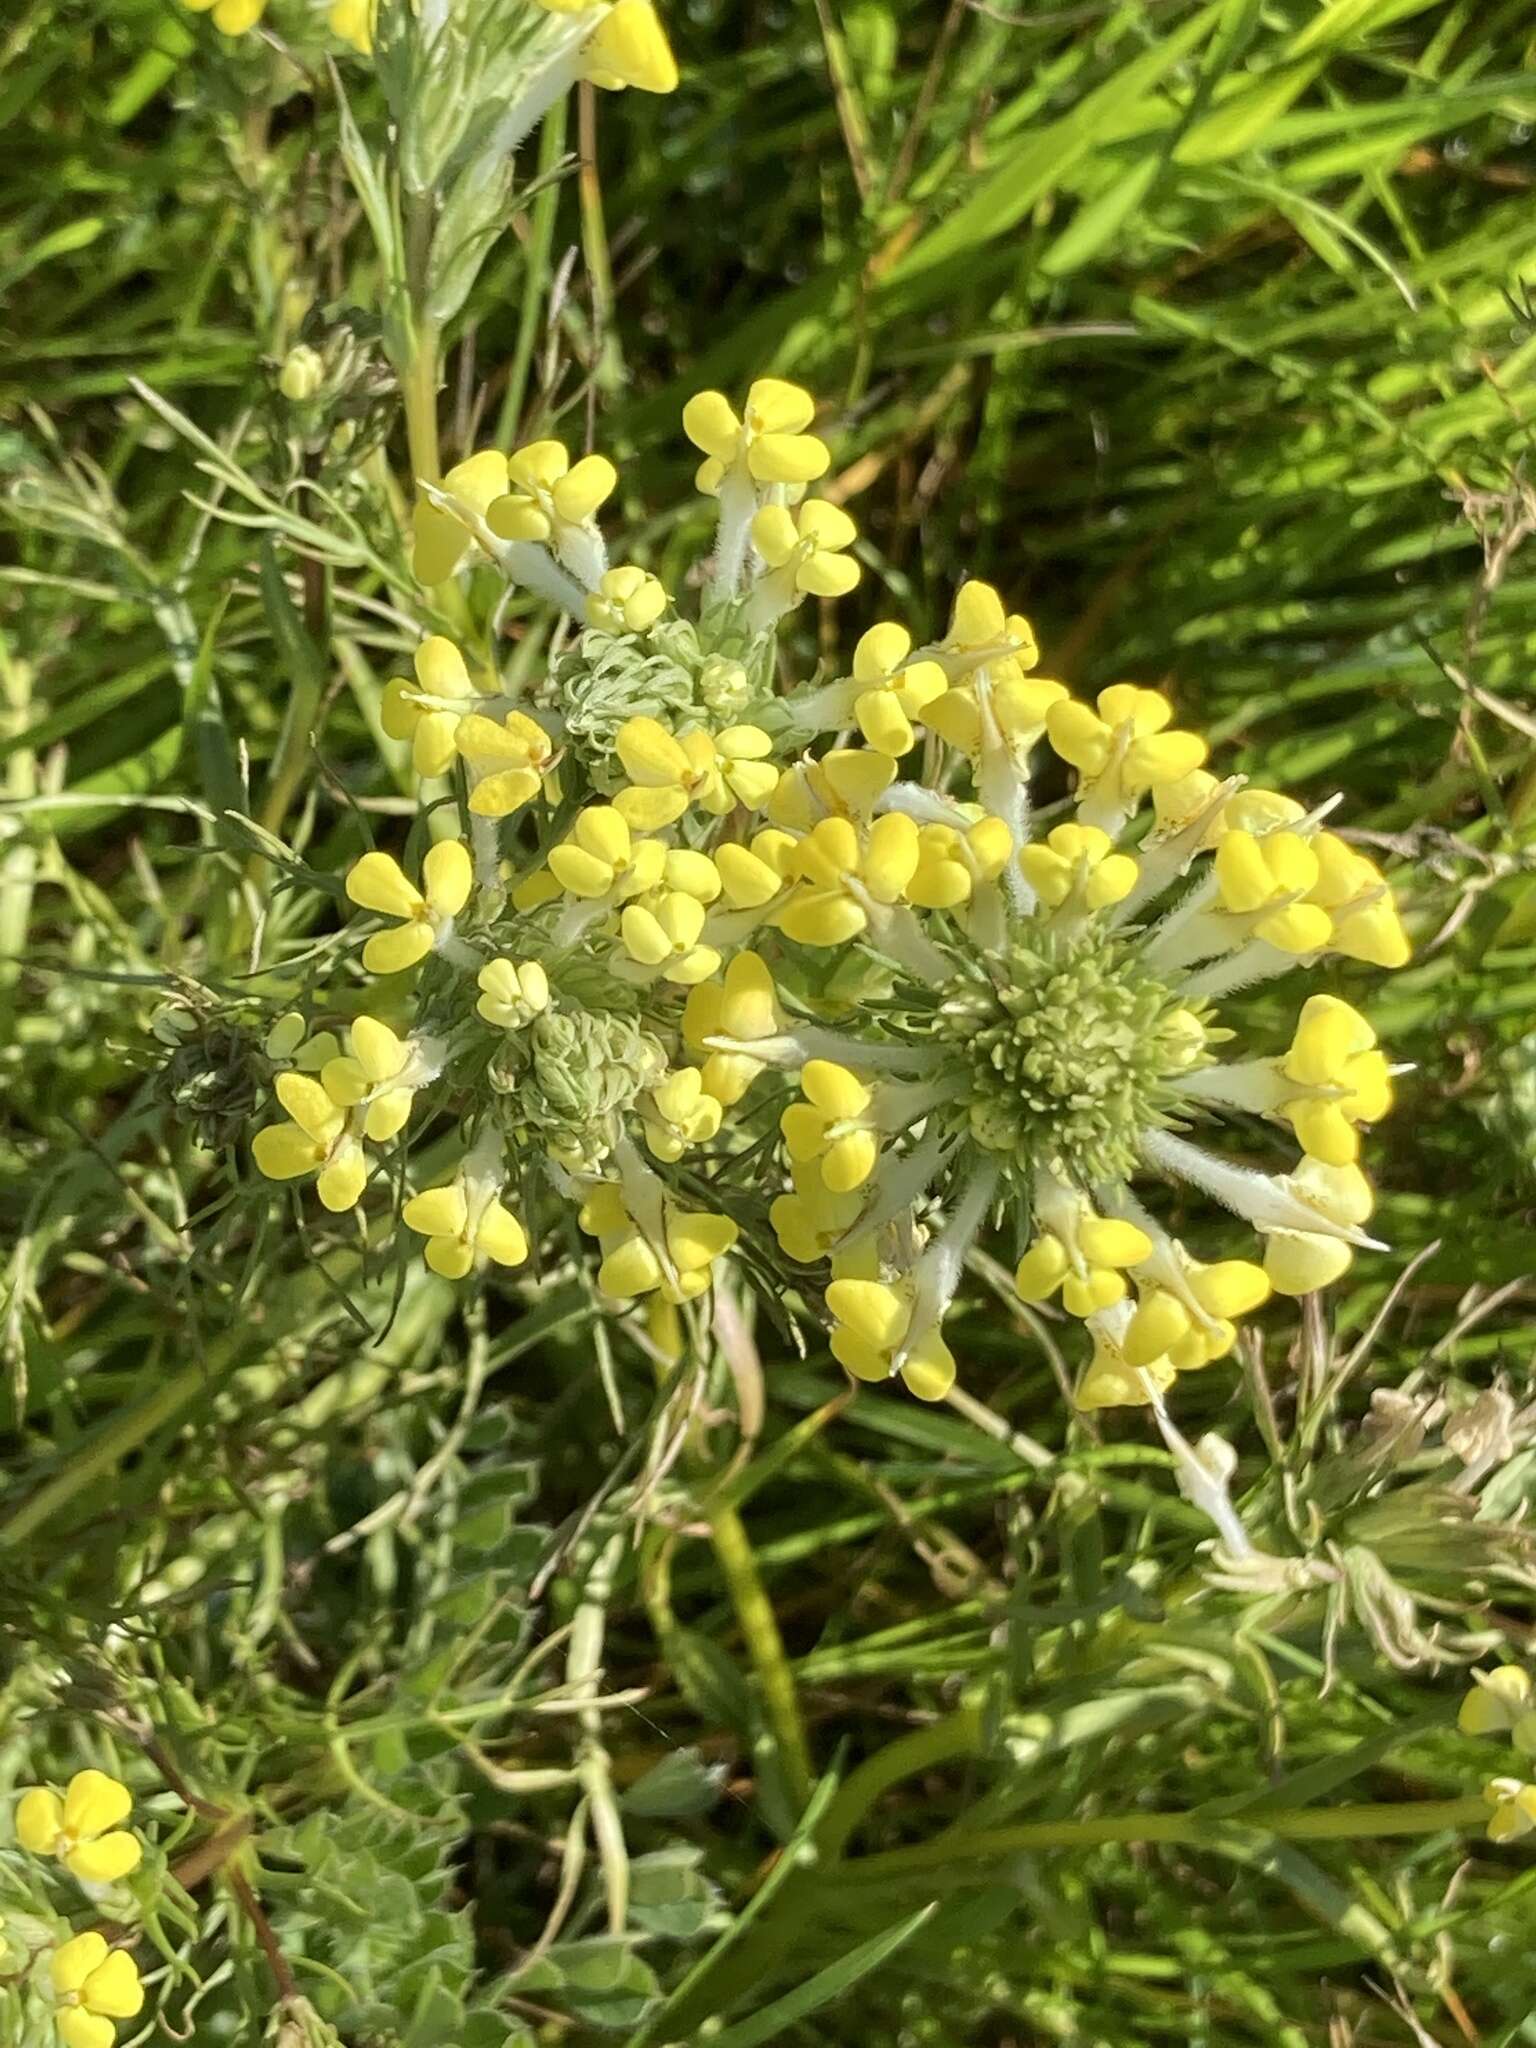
(377, 882)
(715, 771)
(320, 1139)
(95, 1986)
(807, 547)
(84, 1829)
(462, 1221)
(627, 600)
(767, 439)
(429, 711)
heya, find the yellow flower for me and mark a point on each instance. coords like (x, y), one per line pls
(663, 933)
(1498, 1702)
(769, 440)
(804, 549)
(1266, 881)
(231, 17)
(1355, 894)
(667, 774)
(1111, 1380)
(353, 22)
(984, 634)
(288, 1044)
(891, 690)
(1082, 1254)
(676, 1261)
(846, 783)
(629, 47)
(508, 760)
(1122, 752)
(83, 1829)
(810, 1219)
(627, 600)
(743, 1007)
(441, 540)
(321, 1139)
(93, 1986)
(1078, 861)
(678, 1113)
(465, 1220)
(512, 993)
(1193, 1324)
(377, 882)
(428, 712)
(832, 1126)
(845, 881)
(545, 494)
(1514, 1809)
(871, 1330)
(377, 1076)
(602, 858)
(1335, 1050)
(951, 863)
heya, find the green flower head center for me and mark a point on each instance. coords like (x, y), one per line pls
(1066, 1057)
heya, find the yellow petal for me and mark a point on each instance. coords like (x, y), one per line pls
(94, 1802)
(73, 1961)
(779, 407)
(630, 1268)
(107, 1859)
(711, 424)
(1496, 1702)
(501, 1237)
(77, 2028)
(834, 1089)
(437, 1212)
(630, 46)
(394, 951)
(312, 1109)
(448, 875)
(440, 668)
(871, 1310)
(377, 882)
(284, 1152)
(39, 1818)
(696, 1241)
(1296, 1261)
(578, 494)
(341, 1183)
(114, 1989)
(928, 1371)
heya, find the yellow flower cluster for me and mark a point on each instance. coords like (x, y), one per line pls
(93, 1985)
(673, 921)
(614, 45)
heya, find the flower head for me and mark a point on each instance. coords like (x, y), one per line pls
(722, 967)
(83, 1829)
(767, 438)
(426, 915)
(94, 1987)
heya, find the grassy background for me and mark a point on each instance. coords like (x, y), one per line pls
(1207, 333)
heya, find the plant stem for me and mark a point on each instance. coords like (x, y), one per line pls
(418, 389)
(765, 1646)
